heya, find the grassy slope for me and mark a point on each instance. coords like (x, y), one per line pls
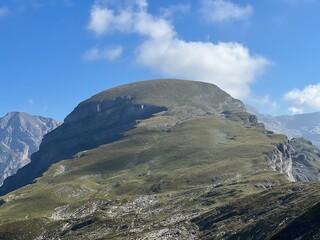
(195, 155)
(170, 169)
(166, 92)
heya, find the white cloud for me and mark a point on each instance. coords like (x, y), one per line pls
(103, 53)
(265, 100)
(104, 20)
(265, 104)
(224, 10)
(229, 65)
(155, 28)
(142, 4)
(174, 9)
(4, 11)
(295, 110)
(100, 20)
(305, 99)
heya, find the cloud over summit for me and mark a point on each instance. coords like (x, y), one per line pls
(230, 65)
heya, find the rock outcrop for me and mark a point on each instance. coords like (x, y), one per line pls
(280, 159)
(305, 160)
(298, 158)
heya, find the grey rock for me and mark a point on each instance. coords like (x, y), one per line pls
(298, 158)
(20, 137)
(305, 160)
(302, 149)
(280, 159)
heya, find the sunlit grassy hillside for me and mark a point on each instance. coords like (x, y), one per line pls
(186, 172)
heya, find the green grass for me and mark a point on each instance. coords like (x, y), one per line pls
(196, 153)
(171, 93)
(198, 167)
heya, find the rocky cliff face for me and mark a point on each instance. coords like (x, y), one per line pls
(280, 159)
(305, 160)
(20, 136)
(298, 158)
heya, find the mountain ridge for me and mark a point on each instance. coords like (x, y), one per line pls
(20, 136)
(158, 159)
(305, 125)
(121, 106)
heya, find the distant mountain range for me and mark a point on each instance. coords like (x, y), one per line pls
(20, 136)
(299, 125)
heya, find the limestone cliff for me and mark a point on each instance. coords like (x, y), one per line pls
(20, 136)
(280, 159)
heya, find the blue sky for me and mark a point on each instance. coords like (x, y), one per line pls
(56, 53)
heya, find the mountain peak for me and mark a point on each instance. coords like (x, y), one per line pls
(12, 116)
(25, 119)
(20, 136)
(105, 117)
(174, 159)
(168, 93)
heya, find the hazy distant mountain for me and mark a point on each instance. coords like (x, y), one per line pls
(20, 136)
(300, 125)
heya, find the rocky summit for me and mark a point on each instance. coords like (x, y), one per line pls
(20, 136)
(163, 159)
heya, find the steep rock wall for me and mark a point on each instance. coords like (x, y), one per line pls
(280, 159)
